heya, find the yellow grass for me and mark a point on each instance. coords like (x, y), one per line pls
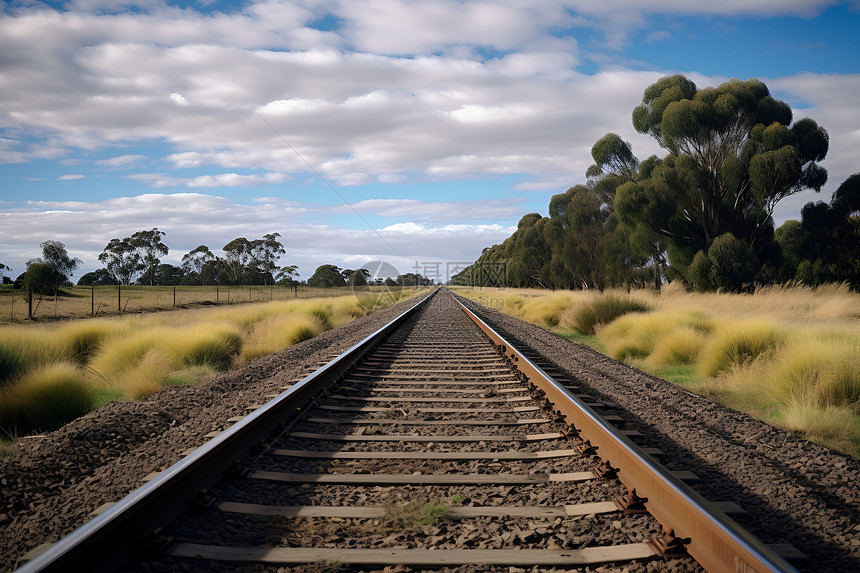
(45, 398)
(278, 332)
(23, 348)
(789, 355)
(132, 357)
(736, 343)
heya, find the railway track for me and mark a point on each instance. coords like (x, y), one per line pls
(432, 443)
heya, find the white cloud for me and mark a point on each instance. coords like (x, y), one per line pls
(70, 177)
(159, 180)
(430, 210)
(122, 160)
(178, 99)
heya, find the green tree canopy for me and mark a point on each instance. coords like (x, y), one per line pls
(287, 275)
(97, 277)
(327, 276)
(195, 261)
(733, 155)
(138, 255)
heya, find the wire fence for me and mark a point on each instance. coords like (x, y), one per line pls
(84, 301)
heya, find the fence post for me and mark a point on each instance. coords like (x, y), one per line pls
(216, 294)
(119, 298)
(93, 299)
(174, 296)
(30, 303)
(249, 293)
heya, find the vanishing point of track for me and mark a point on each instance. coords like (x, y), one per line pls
(432, 443)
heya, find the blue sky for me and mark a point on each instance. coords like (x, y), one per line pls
(408, 131)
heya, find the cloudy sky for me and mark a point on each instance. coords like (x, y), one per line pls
(409, 131)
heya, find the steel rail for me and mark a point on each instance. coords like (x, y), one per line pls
(717, 542)
(105, 542)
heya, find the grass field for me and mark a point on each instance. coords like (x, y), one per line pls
(87, 302)
(789, 356)
(54, 371)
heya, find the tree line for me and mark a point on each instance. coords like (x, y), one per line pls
(702, 214)
(137, 260)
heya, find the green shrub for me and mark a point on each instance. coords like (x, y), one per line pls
(603, 310)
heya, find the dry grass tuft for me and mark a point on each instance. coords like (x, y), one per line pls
(45, 398)
(279, 332)
(822, 368)
(25, 348)
(741, 342)
(678, 347)
(603, 310)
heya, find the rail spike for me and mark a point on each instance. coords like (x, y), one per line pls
(631, 503)
(604, 470)
(587, 449)
(667, 544)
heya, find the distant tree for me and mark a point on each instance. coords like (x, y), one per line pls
(98, 277)
(238, 255)
(287, 275)
(360, 277)
(167, 275)
(55, 266)
(39, 278)
(327, 276)
(3, 270)
(413, 279)
(825, 246)
(61, 265)
(137, 255)
(251, 261)
(149, 246)
(121, 260)
(266, 252)
(195, 261)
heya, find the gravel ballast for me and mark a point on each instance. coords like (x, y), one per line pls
(794, 492)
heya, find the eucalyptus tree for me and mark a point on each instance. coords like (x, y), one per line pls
(287, 275)
(327, 276)
(733, 155)
(251, 261)
(149, 246)
(58, 265)
(266, 252)
(195, 261)
(138, 255)
(825, 245)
